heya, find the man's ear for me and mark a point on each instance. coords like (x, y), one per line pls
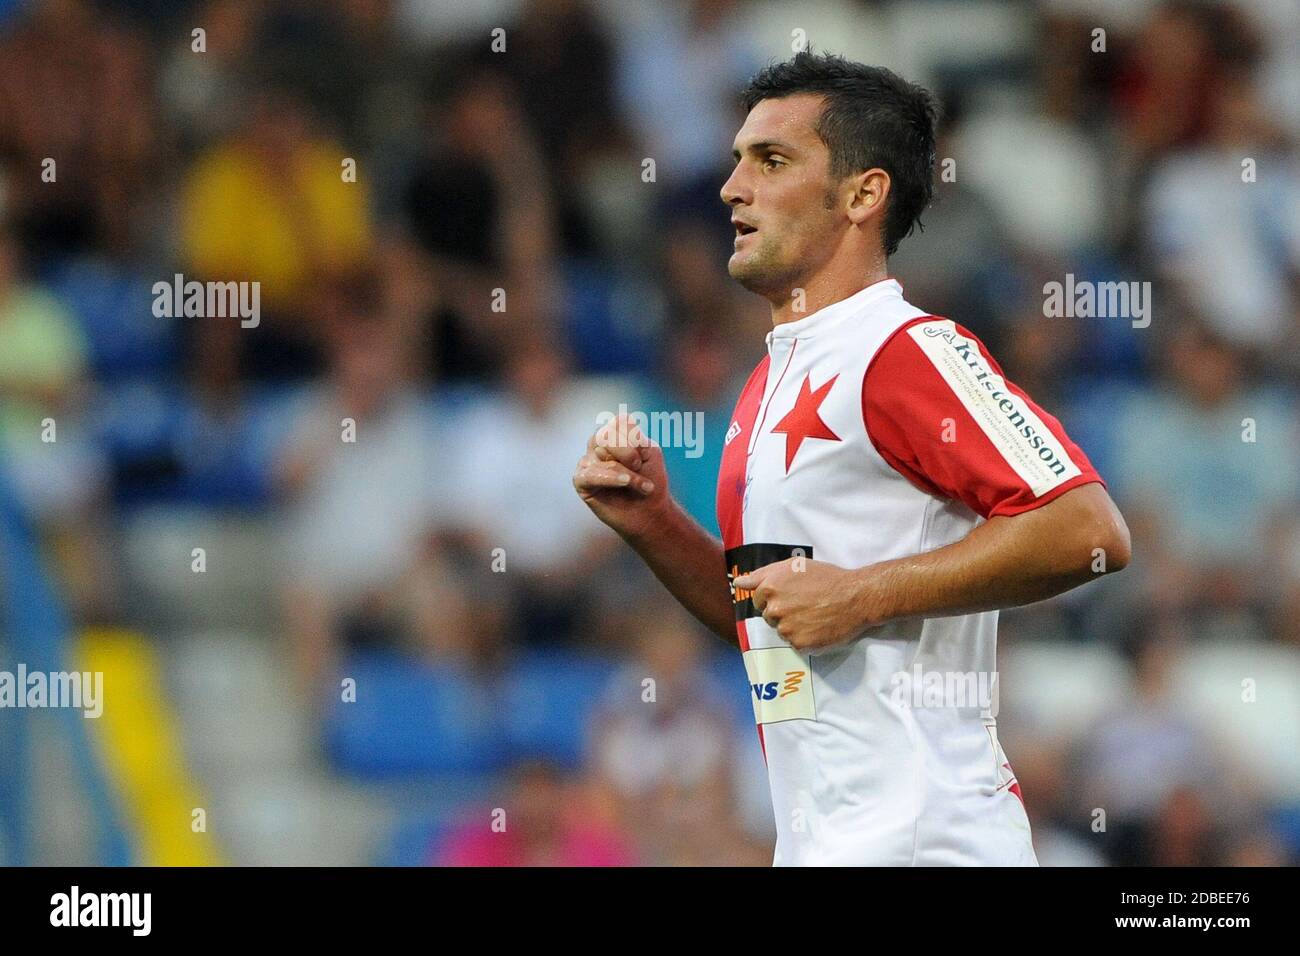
(871, 190)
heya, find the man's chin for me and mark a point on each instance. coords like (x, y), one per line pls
(749, 275)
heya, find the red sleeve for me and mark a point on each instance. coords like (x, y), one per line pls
(939, 410)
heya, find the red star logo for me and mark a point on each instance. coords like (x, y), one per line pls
(802, 421)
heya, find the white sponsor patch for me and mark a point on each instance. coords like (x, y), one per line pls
(1018, 434)
(732, 432)
(780, 685)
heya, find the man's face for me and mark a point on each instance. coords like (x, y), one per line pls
(781, 190)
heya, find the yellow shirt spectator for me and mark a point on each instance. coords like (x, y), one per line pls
(245, 221)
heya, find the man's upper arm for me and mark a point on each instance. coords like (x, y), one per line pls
(939, 410)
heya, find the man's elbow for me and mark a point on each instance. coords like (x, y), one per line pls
(1097, 536)
(1110, 543)
(1120, 549)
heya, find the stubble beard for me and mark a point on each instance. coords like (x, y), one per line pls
(762, 273)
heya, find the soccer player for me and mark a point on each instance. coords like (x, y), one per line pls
(884, 490)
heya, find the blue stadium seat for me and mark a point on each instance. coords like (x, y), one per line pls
(414, 719)
(1286, 823)
(414, 842)
(547, 701)
(610, 326)
(114, 308)
(165, 446)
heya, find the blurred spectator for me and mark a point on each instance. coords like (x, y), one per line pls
(359, 475)
(1234, 250)
(662, 720)
(662, 747)
(59, 474)
(437, 22)
(956, 264)
(1227, 449)
(271, 205)
(561, 64)
(1059, 831)
(1254, 847)
(1151, 766)
(1161, 93)
(542, 822)
(1286, 612)
(1042, 174)
(1183, 832)
(514, 451)
(1173, 69)
(203, 92)
(42, 383)
(492, 245)
(78, 90)
(680, 67)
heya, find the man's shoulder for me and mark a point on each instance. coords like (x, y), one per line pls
(879, 320)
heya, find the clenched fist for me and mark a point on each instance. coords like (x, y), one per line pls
(621, 478)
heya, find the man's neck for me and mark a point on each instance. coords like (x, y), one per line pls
(823, 290)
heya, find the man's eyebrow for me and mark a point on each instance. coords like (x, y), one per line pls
(764, 146)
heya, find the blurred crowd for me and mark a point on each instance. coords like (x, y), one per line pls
(476, 223)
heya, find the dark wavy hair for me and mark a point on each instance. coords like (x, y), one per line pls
(872, 118)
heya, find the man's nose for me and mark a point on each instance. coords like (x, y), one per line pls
(733, 191)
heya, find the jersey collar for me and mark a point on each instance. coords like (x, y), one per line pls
(831, 314)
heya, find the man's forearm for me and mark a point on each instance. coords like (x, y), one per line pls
(690, 563)
(1005, 562)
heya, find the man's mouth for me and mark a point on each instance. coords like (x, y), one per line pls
(743, 228)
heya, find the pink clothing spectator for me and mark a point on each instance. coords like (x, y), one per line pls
(575, 844)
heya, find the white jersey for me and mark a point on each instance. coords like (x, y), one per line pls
(874, 431)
